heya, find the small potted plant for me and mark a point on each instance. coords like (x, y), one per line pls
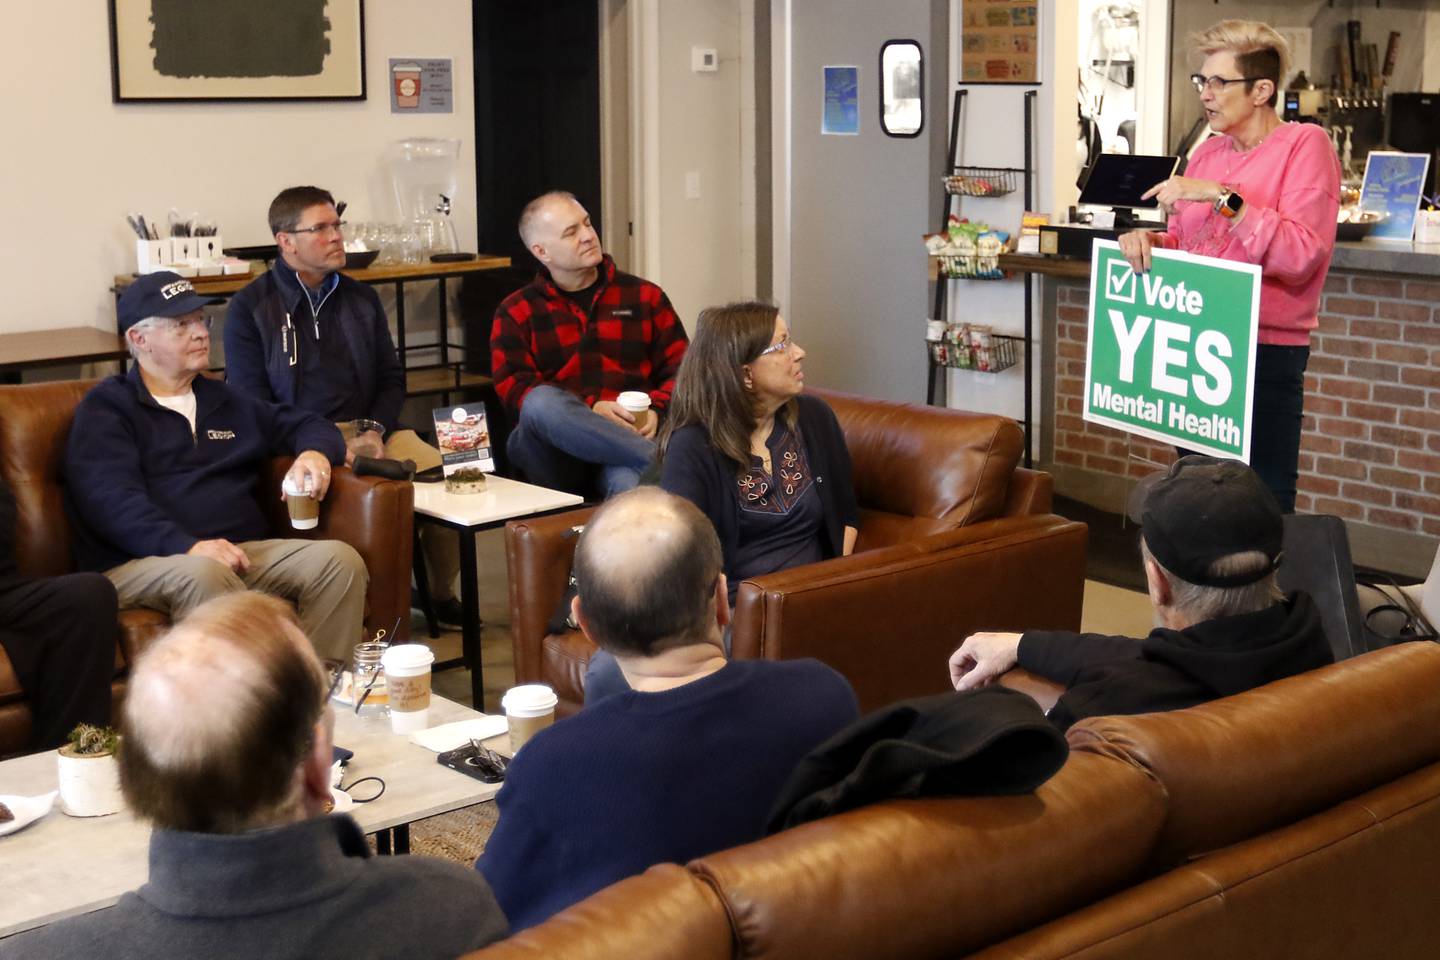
(89, 775)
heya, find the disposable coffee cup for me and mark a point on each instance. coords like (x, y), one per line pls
(638, 404)
(407, 679)
(304, 508)
(529, 709)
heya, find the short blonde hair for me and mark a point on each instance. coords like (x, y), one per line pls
(1259, 49)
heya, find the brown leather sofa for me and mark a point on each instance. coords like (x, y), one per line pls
(374, 516)
(1300, 820)
(949, 526)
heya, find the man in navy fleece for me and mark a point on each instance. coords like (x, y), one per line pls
(161, 472)
(686, 762)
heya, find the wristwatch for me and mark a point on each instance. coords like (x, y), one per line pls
(1229, 203)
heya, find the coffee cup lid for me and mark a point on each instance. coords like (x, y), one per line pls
(634, 400)
(529, 698)
(293, 489)
(407, 656)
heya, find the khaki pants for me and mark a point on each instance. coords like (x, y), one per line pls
(440, 546)
(326, 579)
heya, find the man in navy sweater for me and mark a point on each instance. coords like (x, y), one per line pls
(161, 469)
(686, 762)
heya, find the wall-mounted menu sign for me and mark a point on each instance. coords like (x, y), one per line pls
(1393, 184)
(999, 41)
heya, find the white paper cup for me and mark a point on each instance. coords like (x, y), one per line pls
(638, 404)
(407, 679)
(304, 508)
(529, 709)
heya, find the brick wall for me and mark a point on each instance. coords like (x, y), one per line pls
(1371, 446)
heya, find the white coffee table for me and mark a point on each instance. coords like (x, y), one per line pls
(470, 513)
(63, 866)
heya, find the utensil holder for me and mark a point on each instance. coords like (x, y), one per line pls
(152, 255)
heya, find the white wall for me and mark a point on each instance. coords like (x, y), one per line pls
(705, 252)
(75, 162)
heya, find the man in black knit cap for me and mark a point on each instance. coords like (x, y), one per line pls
(1210, 540)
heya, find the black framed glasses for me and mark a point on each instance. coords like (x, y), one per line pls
(320, 228)
(1216, 84)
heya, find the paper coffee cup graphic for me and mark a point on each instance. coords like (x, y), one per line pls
(406, 77)
(529, 708)
(304, 508)
(407, 678)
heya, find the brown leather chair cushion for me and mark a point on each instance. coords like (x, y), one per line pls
(928, 461)
(957, 872)
(1236, 767)
(33, 430)
(566, 655)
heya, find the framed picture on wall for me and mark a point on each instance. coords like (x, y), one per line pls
(208, 50)
(1000, 41)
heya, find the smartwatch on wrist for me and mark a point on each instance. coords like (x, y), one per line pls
(1229, 203)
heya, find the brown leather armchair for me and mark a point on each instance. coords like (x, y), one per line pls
(954, 538)
(372, 515)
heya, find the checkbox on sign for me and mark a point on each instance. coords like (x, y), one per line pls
(1119, 282)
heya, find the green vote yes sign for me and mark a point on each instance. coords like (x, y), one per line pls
(1171, 353)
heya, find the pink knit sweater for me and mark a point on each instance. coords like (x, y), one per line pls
(1291, 186)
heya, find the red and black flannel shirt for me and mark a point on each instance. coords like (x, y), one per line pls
(631, 340)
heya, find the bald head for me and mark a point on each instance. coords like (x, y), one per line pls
(535, 211)
(645, 570)
(219, 715)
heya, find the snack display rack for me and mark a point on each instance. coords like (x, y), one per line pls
(982, 181)
(964, 347)
(967, 181)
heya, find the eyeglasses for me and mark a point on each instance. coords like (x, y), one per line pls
(1217, 84)
(783, 346)
(334, 674)
(320, 228)
(186, 324)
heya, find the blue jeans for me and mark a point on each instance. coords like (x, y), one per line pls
(560, 441)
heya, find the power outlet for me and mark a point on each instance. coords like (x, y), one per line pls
(692, 184)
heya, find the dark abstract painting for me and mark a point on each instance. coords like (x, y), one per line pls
(237, 49)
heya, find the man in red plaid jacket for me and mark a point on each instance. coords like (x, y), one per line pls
(565, 346)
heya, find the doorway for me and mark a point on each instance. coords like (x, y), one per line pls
(537, 112)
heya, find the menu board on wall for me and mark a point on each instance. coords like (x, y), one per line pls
(999, 40)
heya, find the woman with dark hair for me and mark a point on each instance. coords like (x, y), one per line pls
(767, 464)
(1262, 191)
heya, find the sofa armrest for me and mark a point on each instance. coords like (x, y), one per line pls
(1031, 491)
(538, 555)
(375, 516)
(889, 619)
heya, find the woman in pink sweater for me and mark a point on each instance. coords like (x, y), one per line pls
(1263, 191)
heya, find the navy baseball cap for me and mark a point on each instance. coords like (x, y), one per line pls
(162, 294)
(1202, 509)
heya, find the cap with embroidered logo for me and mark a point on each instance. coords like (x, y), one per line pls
(162, 294)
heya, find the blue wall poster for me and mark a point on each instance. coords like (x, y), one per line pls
(842, 109)
(1393, 183)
